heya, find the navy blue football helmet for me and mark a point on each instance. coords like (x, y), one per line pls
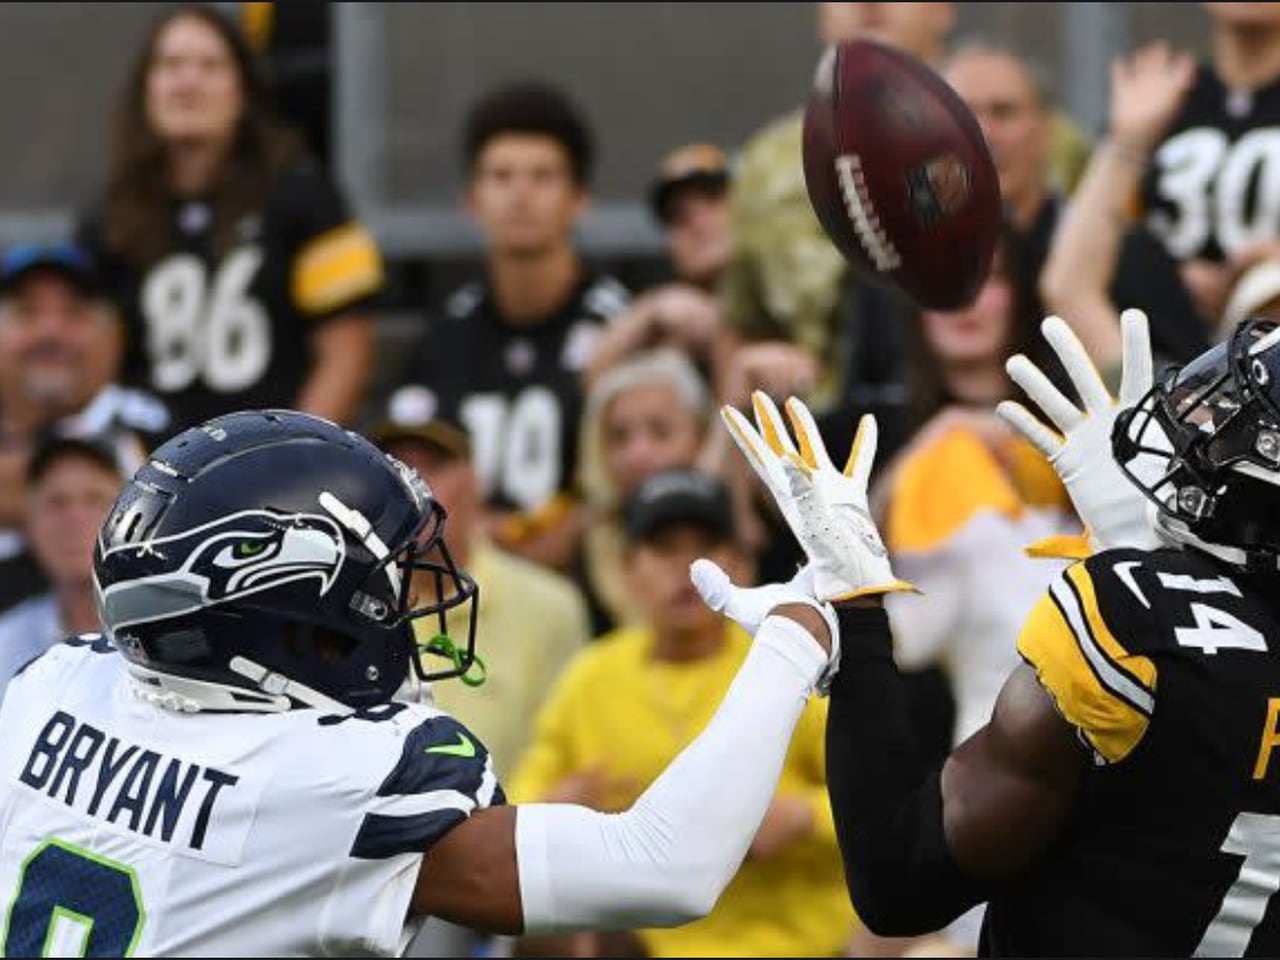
(263, 561)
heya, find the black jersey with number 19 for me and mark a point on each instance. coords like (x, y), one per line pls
(214, 332)
(1168, 666)
(515, 387)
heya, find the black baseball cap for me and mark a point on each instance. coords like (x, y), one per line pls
(696, 165)
(66, 259)
(413, 415)
(679, 497)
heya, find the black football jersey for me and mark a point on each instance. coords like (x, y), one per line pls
(1167, 663)
(515, 388)
(1213, 187)
(213, 334)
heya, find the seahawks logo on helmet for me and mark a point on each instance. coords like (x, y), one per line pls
(230, 558)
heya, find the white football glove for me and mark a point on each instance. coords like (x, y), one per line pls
(825, 508)
(749, 606)
(1113, 509)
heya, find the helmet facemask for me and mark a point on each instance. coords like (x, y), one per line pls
(447, 588)
(1204, 446)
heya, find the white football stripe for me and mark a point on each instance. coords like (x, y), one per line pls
(413, 805)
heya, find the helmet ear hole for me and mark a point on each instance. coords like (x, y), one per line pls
(311, 641)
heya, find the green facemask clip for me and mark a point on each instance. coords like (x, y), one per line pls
(442, 646)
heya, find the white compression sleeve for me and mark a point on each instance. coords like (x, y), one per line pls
(667, 859)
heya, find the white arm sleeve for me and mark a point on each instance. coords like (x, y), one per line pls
(666, 860)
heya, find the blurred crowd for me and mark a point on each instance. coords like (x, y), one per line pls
(569, 425)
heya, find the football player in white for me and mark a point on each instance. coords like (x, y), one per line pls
(225, 772)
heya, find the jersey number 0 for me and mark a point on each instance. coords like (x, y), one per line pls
(73, 903)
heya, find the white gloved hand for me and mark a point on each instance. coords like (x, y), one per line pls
(825, 508)
(1112, 508)
(749, 606)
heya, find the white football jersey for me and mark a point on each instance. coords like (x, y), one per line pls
(127, 829)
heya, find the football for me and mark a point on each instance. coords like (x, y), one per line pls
(899, 173)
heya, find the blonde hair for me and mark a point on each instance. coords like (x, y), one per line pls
(664, 366)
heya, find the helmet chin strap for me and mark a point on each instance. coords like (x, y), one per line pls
(1177, 534)
(187, 695)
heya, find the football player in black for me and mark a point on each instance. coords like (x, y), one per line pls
(1122, 800)
(506, 354)
(242, 277)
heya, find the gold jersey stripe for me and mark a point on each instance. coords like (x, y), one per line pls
(335, 268)
(256, 23)
(1108, 722)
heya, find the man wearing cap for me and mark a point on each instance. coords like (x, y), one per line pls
(70, 486)
(689, 198)
(631, 701)
(532, 620)
(60, 350)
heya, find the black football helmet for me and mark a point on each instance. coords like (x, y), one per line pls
(1204, 446)
(263, 561)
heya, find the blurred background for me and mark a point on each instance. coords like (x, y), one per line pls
(530, 248)
(398, 77)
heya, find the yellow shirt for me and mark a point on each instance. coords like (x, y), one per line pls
(530, 624)
(617, 708)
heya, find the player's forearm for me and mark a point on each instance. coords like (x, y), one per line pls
(343, 360)
(887, 806)
(625, 335)
(1077, 276)
(667, 859)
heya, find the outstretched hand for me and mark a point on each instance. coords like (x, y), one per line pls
(1112, 508)
(825, 508)
(1147, 88)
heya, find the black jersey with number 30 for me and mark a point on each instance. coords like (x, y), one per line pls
(1168, 666)
(1213, 188)
(211, 334)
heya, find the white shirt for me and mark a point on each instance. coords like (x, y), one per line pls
(128, 829)
(976, 590)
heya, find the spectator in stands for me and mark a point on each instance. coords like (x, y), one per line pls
(243, 279)
(60, 348)
(633, 700)
(785, 280)
(1014, 107)
(531, 621)
(646, 415)
(961, 503)
(1146, 90)
(295, 38)
(1207, 190)
(506, 355)
(690, 200)
(71, 484)
(966, 495)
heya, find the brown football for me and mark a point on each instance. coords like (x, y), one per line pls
(899, 173)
